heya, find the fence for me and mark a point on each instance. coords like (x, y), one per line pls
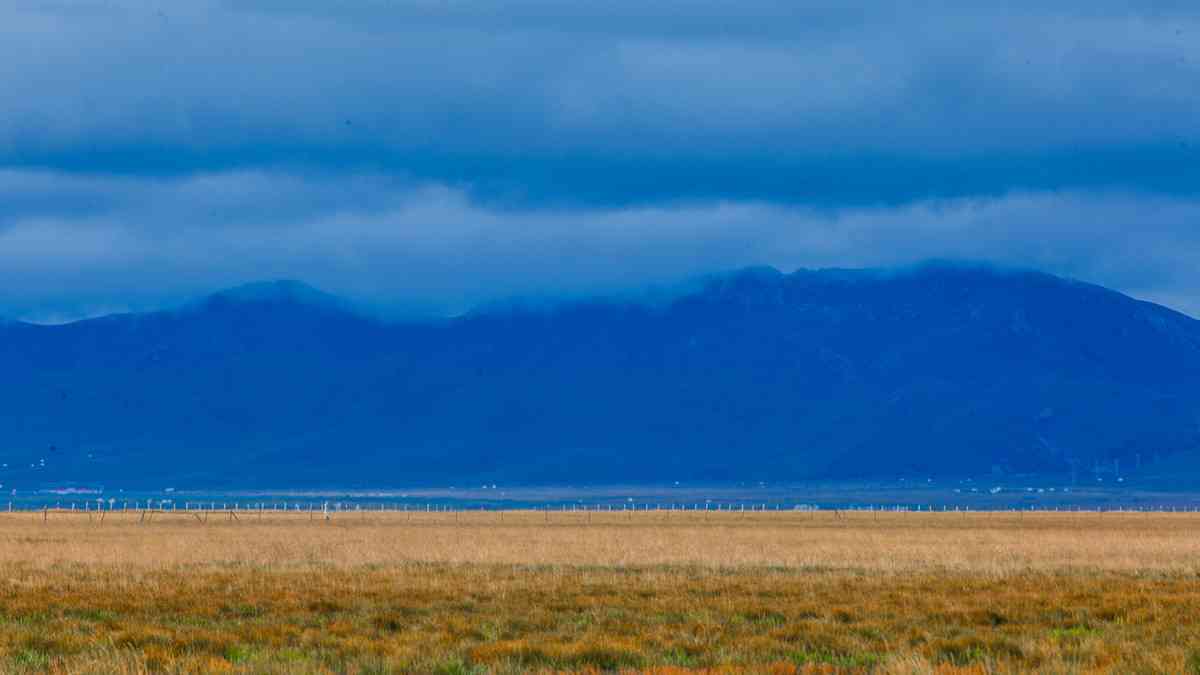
(148, 510)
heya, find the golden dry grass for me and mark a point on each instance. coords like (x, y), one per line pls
(768, 592)
(978, 543)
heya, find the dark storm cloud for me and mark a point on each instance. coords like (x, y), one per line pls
(621, 102)
(434, 154)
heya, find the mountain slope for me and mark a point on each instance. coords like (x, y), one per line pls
(755, 375)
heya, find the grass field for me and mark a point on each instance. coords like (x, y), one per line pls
(477, 592)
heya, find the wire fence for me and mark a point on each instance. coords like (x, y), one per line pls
(202, 511)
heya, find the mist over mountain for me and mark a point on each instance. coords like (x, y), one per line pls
(754, 375)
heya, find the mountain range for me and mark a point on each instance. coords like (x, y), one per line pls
(754, 375)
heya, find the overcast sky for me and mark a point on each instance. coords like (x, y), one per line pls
(429, 155)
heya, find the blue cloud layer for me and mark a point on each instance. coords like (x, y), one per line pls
(193, 144)
(557, 101)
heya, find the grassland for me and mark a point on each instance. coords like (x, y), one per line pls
(477, 592)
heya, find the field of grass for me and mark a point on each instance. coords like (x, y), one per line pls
(651, 591)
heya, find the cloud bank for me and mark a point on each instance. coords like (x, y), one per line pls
(426, 156)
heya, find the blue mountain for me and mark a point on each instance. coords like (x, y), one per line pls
(938, 370)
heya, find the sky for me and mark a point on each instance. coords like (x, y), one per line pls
(425, 156)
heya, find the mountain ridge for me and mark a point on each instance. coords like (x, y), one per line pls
(750, 375)
(293, 291)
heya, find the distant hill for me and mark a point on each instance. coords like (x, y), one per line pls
(754, 375)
